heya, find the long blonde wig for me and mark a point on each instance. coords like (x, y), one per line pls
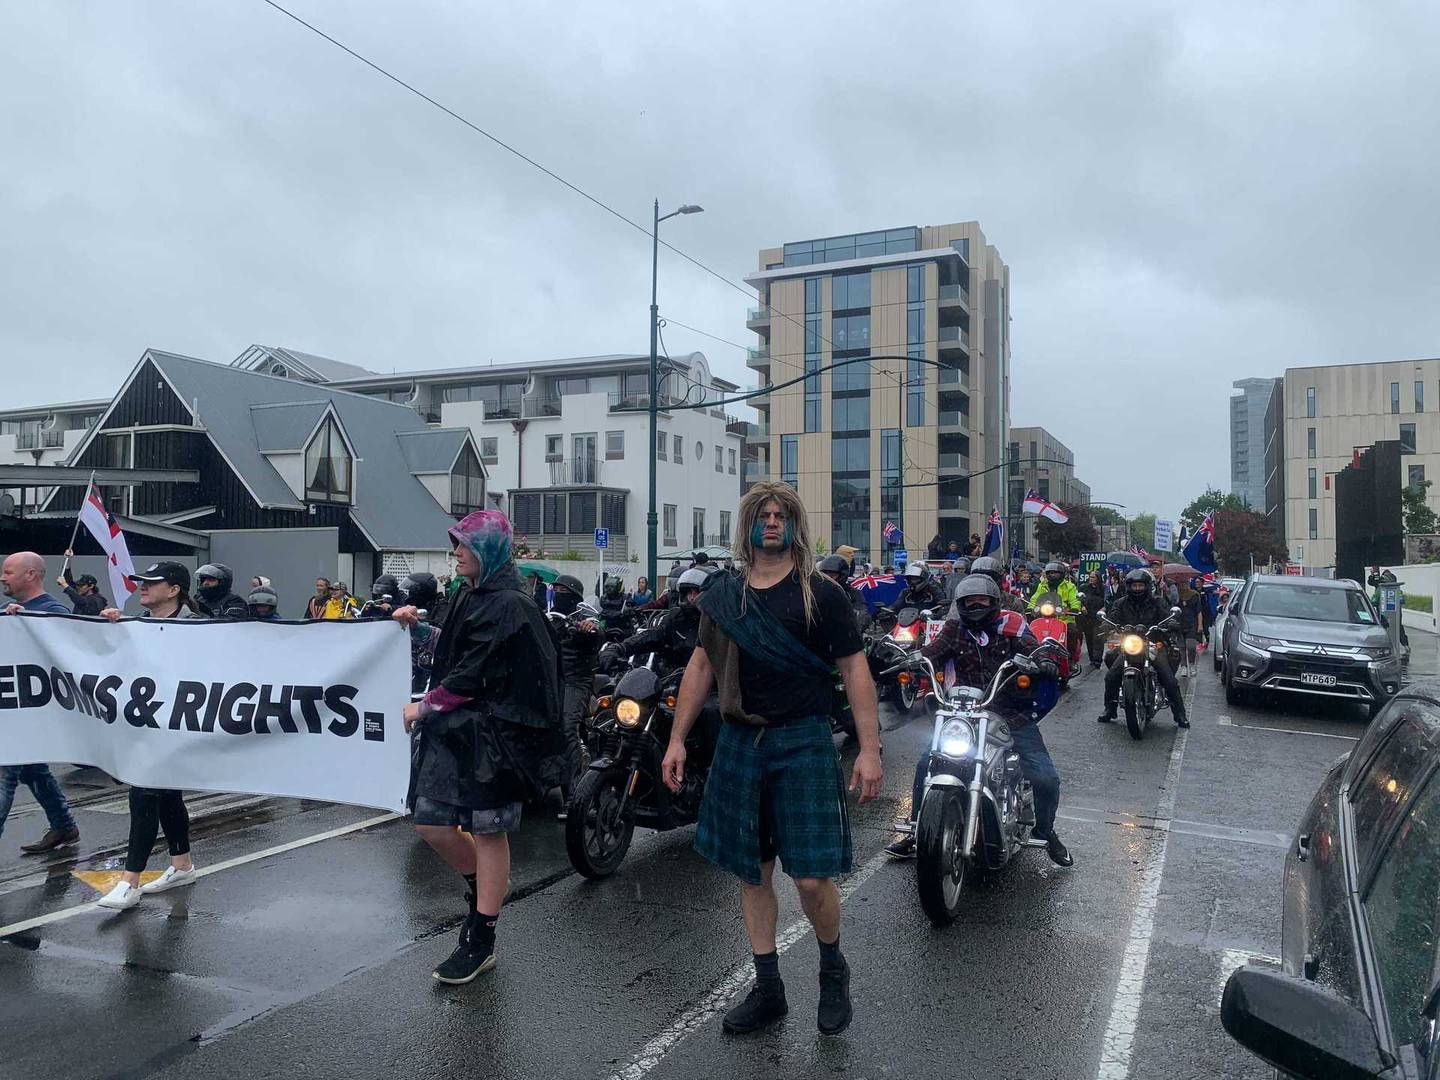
(802, 550)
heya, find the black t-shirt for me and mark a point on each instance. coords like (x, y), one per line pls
(832, 634)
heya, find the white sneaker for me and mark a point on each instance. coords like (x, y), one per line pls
(170, 879)
(120, 898)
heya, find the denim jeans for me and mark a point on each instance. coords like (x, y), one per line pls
(41, 781)
(1037, 767)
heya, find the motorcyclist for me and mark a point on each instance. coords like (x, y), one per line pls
(995, 571)
(378, 606)
(837, 569)
(615, 607)
(261, 605)
(578, 644)
(921, 590)
(1139, 606)
(978, 637)
(216, 591)
(674, 636)
(1056, 580)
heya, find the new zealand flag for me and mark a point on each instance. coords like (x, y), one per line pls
(1200, 549)
(994, 533)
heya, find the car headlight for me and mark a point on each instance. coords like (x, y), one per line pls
(957, 739)
(627, 712)
(1047, 610)
(1255, 641)
(1384, 652)
(1132, 644)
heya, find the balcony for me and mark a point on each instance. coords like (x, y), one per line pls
(954, 376)
(954, 418)
(954, 298)
(756, 470)
(577, 470)
(954, 504)
(954, 339)
(759, 434)
(758, 357)
(960, 462)
(758, 318)
(504, 409)
(536, 407)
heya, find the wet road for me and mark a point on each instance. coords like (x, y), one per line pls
(307, 947)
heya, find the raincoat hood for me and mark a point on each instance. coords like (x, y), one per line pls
(487, 534)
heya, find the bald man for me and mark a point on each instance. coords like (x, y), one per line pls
(23, 578)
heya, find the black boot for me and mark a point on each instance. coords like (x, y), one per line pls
(763, 1006)
(835, 1011)
(1108, 716)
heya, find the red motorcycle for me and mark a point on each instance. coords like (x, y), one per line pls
(910, 630)
(1051, 622)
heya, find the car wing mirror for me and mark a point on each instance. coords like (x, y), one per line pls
(1299, 1027)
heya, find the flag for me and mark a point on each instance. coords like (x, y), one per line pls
(994, 533)
(879, 590)
(1200, 549)
(1034, 504)
(892, 534)
(1136, 549)
(100, 524)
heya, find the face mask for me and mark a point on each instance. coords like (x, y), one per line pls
(757, 536)
(210, 593)
(565, 601)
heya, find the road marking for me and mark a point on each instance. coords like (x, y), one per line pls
(649, 1056)
(1177, 826)
(1225, 721)
(102, 881)
(206, 871)
(1119, 1041)
(1231, 959)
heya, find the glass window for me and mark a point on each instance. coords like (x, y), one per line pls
(789, 458)
(1310, 442)
(327, 466)
(554, 447)
(667, 517)
(850, 413)
(850, 377)
(812, 414)
(812, 295)
(1314, 523)
(1417, 476)
(637, 383)
(719, 459)
(582, 511)
(725, 526)
(555, 518)
(849, 291)
(1310, 401)
(1419, 396)
(612, 512)
(732, 473)
(467, 484)
(489, 450)
(915, 394)
(850, 454)
(614, 445)
(1402, 909)
(1311, 481)
(1394, 397)
(848, 496)
(915, 283)
(697, 527)
(678, 446)
(1407, 438)
(1313, 603)
(661, 443)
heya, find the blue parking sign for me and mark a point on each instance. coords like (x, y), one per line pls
(602, 538)
(901, 557)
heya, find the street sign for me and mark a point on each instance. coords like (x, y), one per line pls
(1164, 535)
(901, 557)
(1389, 597)
(1293, 570)
(602, 538)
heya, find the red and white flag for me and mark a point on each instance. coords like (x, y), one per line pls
(100, 523)
(1034, 504)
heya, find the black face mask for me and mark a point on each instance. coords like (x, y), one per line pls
(1055, 579)
(211, 593)
(1141, 593)
(565, 602)
(977, 616)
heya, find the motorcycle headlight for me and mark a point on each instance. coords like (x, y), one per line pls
(905, 633)
(957, 739)
(1047, 610)
(1132, 644)
(628, 712)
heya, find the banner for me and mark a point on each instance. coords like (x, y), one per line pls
(300, 710)
(1164, 535)
(1091, 560)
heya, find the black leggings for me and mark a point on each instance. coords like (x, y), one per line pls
(153, 809)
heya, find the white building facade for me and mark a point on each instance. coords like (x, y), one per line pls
(44, 435)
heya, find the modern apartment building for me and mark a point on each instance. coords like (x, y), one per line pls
(896, 438)
(1247, 439)
(1329, 413)
(43, 435)
(1040, 461)
(1274, 504)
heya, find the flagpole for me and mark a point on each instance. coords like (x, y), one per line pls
(65, 571)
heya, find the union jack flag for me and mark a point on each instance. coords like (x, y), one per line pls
(1136, 549)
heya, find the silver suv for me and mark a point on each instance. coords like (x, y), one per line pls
(1303, 635)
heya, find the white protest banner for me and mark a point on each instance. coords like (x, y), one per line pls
(1164, 535)
(303, 710)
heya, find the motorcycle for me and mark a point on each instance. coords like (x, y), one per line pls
(977, 808)
(1140, 691)
(903, 633)
(623, 786)
(1051, 622)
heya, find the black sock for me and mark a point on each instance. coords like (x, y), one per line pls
(767, 969)
(830, 956)
(482, 931)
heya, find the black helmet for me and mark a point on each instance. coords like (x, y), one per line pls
(833, 565)
(961, 565)
(385, 585)
(419, 590)
(224, 578)
(977, 599)
(988, 566)
(568, 594)
(1139, 578)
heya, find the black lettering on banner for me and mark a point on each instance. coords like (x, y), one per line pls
(236, 710)
(337, 699)
(140, 710)
(374, 727)
(32, 696)
(212, 706)
(279, 711)
(8, 700)
(60, 690)
(84, 696)
(189, 696)
(308, 696)
(105, 696)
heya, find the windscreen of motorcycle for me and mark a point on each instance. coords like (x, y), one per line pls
(1052, 599)
(639, 683)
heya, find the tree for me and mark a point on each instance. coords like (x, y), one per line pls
(1142, 530)
(1420, 520)
(1068, 540)
(1106, 515)
(1240, 534)
(1213, 499)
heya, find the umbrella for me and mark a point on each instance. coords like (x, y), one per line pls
(1124, 560)
(544, 573)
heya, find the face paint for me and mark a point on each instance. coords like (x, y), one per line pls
(757, 536)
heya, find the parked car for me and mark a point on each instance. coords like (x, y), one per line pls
(1305, 635)
(1358, 989)
(1233, 586)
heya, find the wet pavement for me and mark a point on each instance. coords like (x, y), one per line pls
(308, 948)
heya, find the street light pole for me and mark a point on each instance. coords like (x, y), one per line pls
(651, 521)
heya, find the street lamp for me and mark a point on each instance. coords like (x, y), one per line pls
(651, 521)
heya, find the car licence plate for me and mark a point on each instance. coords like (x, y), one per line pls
(1317, 680)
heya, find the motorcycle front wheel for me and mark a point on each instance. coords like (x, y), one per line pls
(597, 833)
(1135, 718)
(939, 867)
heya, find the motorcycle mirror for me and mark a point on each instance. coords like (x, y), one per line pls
(1174, 611)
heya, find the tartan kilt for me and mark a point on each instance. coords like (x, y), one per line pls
(776, 791)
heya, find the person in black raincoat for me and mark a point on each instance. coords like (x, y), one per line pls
(488, 731)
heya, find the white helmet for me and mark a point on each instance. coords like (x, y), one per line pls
(694, 578)
(915, 570)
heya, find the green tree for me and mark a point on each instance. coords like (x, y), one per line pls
(1213, 499)
(1420, 520)
(1142, 530)
(1106, 515)
(1239, 534)
(1068, 540)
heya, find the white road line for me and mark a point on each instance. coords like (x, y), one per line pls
(649, 1056)
(1119, 1041)
(1231, 959)
(1225, 721)
(205, 871)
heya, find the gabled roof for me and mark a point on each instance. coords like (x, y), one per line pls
(308, 366)
(245, 412)
(434, 450)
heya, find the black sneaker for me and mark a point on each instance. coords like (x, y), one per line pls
(469, 960)
(833, 1015)
(902, 848)
(1106, 717)
(762, 1007)
(1058, 852)
(1182, 721)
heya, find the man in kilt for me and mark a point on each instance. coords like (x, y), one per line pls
(771, 634)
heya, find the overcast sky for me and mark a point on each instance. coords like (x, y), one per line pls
(1184, 197)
